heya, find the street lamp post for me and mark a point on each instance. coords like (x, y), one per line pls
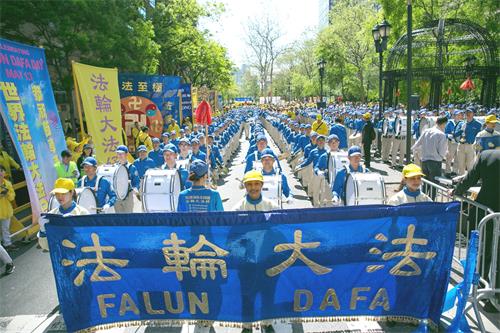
(289, 90)
(409, 76)
(321, 66)
(380, 34)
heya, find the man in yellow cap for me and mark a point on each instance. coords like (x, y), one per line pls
(319, 126)
(488, 138)
(412, 178)
(253, 200)
(64, 191)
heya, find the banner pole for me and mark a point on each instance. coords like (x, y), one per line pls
(77, 94)
(179, 94)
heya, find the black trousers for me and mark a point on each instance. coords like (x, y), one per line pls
(368, 157)
(432, 169)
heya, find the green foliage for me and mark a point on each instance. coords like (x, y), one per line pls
(123, 34)
(347, 46)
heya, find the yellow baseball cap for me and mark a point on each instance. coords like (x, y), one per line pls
(253, 175)
(492, 119)
(63, 185)
(412, 170)
(367, 115)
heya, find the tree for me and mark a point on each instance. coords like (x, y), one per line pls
(185, 50)
(347, 47)
(249, 85)
(263, 38)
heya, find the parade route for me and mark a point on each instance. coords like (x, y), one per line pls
(30, 301)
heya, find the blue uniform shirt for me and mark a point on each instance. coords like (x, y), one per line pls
(471, 129)
(199, 199)
(338, 184)
(143, 165)
(340, 131)
(198, 156)
(133, 175)
(157, 157)
(103, 191)
(312, 157)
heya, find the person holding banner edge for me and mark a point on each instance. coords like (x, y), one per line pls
(64, 190)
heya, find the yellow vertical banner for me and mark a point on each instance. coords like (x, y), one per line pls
(194, 97)
(100, 95)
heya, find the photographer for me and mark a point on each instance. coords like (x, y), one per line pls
(7, 195)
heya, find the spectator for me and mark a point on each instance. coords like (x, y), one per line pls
(7, 195)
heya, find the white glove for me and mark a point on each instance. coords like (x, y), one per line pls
(336, 200)
(136, 191)
(105, 208)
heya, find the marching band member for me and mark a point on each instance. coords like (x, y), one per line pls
(449, 130)
(399, 141)
(324, 193)
(156, 154)
(483, 138)
(466, 134)
(253, 200)
(196, 153)
(387, 132)
(170, 159)
(104, 194)
(307, 166)
(340, 131)
(319, 126)
(354, 155)
(64, 190)
(165, 138)
(261, 144)
(184, 146)
(199, 198)
(127, 205)
(143, 163)
(268, 158)
(412, 178)
(67, 168)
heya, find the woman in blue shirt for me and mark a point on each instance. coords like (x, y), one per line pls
(199, 198)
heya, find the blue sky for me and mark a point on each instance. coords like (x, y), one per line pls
(296, 18)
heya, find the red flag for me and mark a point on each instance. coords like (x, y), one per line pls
(203, 113)
(467, 85)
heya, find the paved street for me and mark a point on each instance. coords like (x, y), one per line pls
(29, 300)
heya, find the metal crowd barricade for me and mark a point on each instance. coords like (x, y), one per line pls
(474, 216)
(489, 289)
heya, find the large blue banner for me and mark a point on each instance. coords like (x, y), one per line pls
(150, 100)
(29, 110)
(306, 264)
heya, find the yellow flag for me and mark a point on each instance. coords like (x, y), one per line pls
(99, 91)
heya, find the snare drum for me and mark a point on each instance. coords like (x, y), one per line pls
(160, 190)
(117, 175)
(273, 189)
(85, 197)
(336, 162)
(400, 126)
(364, 189)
